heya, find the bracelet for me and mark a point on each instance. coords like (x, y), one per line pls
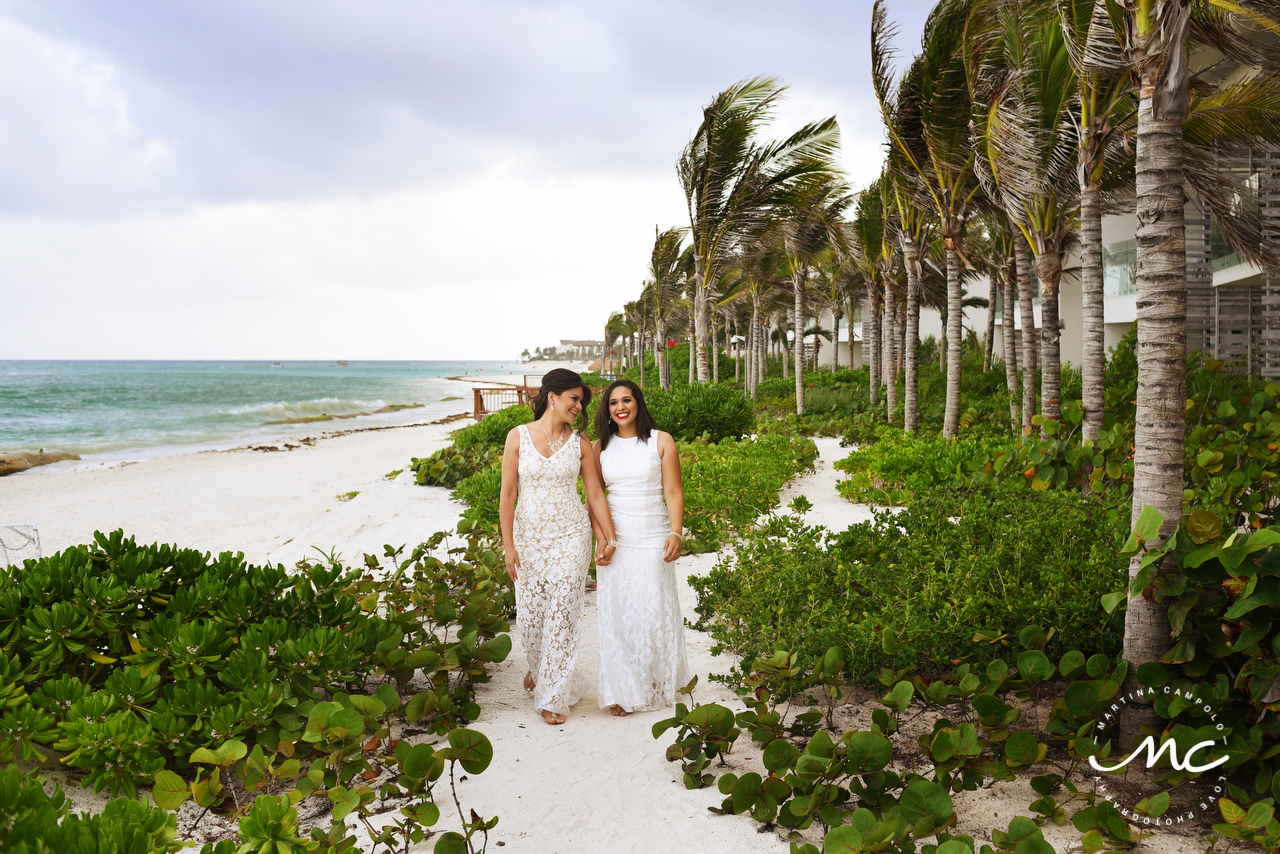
(676, 534)
(613, 543)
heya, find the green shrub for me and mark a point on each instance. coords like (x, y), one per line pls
(909, 590)
(716, 411)
(481, 493)
(1220, 589)
(474, 448)
(491, 431)
(776, 388)
(830, 400)
(33, 821)
(728, 485)
(138, 656)
(899, 466)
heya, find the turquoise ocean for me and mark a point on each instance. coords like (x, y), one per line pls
(127, 410)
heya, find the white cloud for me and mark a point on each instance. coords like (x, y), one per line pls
(478, 270)
(66, 134)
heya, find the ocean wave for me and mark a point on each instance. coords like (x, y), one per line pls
(280, 411)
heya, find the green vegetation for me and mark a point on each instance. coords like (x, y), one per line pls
(727, 486)
(843, 783)
(202, 677)
(689, 412)
(908, 590)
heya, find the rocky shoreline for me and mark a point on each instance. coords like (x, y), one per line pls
(12, 463)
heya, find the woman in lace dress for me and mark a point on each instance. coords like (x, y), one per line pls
(547, 537)
(642, 655)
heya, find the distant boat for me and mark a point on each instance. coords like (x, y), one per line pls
(277, 364)
(342, 362)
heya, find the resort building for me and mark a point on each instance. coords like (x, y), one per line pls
(580, 350)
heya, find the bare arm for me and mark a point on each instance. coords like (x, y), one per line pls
(507, 501)
(597, 505)
(596, 531)
(673, 491)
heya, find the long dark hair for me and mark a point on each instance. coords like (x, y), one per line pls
(559, 381)
(605, 428)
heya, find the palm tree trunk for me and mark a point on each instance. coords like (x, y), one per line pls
(797, 285)
(693, 361)
(911, 405)
(737, 354)
(871, 331)
(701, 304)
(851, 310)
(900, 312)
(837, 312)
(1026, 296)
(640, 348)
(758, 351)
(1049, 271)
(1093, 357)
(784, 350)
(887, 361)
(715, 349)
(1160, 421)
(753, 346)
(942, 340)
(990, 341)
(951, 414)
(1009, 338)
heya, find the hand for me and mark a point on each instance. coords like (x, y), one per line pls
(671, 548)
(512, 559)
(605, 555)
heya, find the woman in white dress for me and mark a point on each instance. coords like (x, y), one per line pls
(546, 538)
(642, 654)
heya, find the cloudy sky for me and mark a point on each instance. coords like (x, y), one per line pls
(371, 179)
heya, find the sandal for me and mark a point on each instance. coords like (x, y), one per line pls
(617, 711)
(529, 684)
(552, 718)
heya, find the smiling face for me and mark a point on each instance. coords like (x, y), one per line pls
(567, 404)
(622, 406)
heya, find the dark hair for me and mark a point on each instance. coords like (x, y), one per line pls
(559, 381)
(605, 428)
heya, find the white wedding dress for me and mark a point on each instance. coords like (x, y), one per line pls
(642, 655)
(553, 539)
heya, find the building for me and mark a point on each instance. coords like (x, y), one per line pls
(580, 350)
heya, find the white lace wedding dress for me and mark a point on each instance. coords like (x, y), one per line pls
(642, 655)
(553, 539)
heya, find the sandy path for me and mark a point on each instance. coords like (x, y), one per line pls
(602, 783)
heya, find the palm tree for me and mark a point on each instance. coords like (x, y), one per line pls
(614, 329)
(811, 225)
(835, 280)
(913, 224)
(731, 181)
(1101, 110)
(1155, 35)
(670, 265)
(870, 249)
(928, 127)
(762, 260)
(1028, 159)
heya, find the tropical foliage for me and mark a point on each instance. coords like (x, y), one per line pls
(214, 681)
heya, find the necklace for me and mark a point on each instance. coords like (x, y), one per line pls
(552, 445)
